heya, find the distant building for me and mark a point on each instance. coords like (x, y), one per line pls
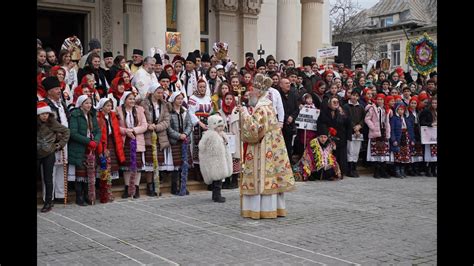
(382, 30)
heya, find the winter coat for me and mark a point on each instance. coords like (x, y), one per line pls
(140, 129)
(79, 140)
(372, 121)
(233, 127)
(356, 115)
(162, 124)
(116, 137)
(308, 82)
(177, 126)
(218, 163)
(340, 122)
(396, 131)
(426, 118)
(48, 135)
(290, 105)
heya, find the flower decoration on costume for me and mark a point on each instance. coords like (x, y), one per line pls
(332, 131)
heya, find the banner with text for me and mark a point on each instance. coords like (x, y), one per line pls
(307, 118)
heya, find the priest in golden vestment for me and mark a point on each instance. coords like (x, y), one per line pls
(267, 172)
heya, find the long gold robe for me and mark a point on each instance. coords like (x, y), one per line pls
(267, 168)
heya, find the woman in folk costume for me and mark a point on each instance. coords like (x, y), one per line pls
(218, 164)
(174, 82)
(85, 135)
(218, 97)
(378, 121)
(318, 161)
(267, 173)
(116, 92)
(69, 67)
(200, 107)
(109, 149)
(90, 81)
(60, 73)
(133, 125)
(51, 137)
(179, 135)
(231, 118)
(402, 139)
(157, 113)
(429, 117)
(212, 79)
(126, 81)
(417, 150)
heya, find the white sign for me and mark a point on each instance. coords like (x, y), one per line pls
(429, 135)
(307, 118)
(328, 52)
(231, 143)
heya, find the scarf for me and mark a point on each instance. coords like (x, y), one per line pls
(184, 167)
(228, 108)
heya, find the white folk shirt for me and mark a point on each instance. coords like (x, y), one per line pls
(275, 97)
(64, 122)
(142, 81)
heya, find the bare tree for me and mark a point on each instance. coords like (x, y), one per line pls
(349, 22)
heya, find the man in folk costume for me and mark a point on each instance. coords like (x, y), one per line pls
(267, 173)
(190, 75)
(136, 62)
(218, 164)
(58, 108)
(144, 77)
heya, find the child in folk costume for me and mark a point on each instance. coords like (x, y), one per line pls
(179, 133)
(109, 149)
(417, 151)
(401, 140)
(89, 79)
(318, 161)
(429, 117)
(218, 163)
(378, 150)
(116, 91)
(218, 97)
(51, 137)
(158, 119)
(231, 118)
(133, 125)
(200, 107)
(85, 135)
(356, 115)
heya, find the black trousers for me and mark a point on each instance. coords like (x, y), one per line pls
(288, 132)
(341, 155)
(48, 165)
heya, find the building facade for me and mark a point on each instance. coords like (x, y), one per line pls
(383, 30)
(284, 28)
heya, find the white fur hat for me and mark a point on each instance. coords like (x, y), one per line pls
(81, 100)
(42, 107)
(101, 103)
(214, 121)
(124, 97)
(174, 95)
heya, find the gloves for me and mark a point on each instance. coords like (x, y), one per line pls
(92, 145)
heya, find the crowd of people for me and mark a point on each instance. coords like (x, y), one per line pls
(104, 117)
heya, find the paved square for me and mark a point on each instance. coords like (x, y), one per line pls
(363, 221)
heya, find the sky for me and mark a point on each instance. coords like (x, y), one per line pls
(364, 4)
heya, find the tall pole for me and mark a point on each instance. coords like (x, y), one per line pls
(239, 91)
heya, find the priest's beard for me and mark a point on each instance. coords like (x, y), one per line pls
(253, 101)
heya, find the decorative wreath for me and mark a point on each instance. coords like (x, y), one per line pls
(422, 54)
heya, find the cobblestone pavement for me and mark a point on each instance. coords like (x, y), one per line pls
(362, 221)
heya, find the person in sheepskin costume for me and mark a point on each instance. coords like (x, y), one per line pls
(218, 162)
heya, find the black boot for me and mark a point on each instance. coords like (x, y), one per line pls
(414, 169)
(235, 181)
(409, 170)
(137, 192)
(216, 192)
(174, 183)
(125, 192)
(376, 170)
(354, 169)
(226, 184)
(402, 170)
(434, 169)
(349, 172)
(397, 171)
(428, 170)
(47, 206)
(79, 194)
(383, 170)
(149, 190)
(85, 191)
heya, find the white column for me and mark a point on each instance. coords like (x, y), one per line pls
(311, 26)
(154, 25)
(287, 36)
(189, 24)
(249, 37)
